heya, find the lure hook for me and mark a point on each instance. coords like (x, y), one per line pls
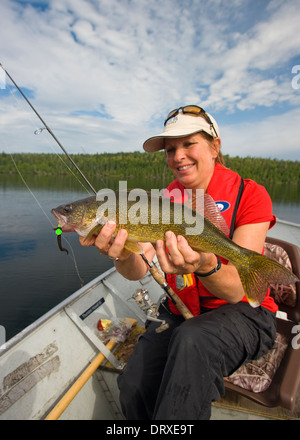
(58, 232)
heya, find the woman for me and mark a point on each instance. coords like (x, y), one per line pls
(176, 374)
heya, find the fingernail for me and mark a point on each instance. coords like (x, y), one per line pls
(169, 234)
(111, 223)
(122, 233)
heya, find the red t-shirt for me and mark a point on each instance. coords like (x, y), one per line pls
(255, 207)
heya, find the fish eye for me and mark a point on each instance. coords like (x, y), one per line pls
(67, 208)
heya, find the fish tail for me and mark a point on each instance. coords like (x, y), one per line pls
(256, 273)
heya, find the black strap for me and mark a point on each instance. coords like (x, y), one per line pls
(237, 202)
(218, 267)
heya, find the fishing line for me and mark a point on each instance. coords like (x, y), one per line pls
(44, 212)
(25, 183)
(50, 131)
(38, 131)
(38, 203)
(157, 275)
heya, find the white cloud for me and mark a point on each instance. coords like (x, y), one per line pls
(136, 59)
(274, 137)
(256, 70)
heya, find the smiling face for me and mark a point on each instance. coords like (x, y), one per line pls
(192, 159)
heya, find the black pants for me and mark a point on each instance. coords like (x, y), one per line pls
(176, 374)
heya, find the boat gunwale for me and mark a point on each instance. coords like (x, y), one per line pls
(286, 222)
(75, 296)
(53, 311)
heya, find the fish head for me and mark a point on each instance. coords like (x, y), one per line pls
(77, 216)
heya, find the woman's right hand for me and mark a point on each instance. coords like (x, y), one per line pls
(128, 264)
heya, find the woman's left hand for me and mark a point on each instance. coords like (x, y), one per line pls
(182, 259)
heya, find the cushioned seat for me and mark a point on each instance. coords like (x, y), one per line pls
(274, 379)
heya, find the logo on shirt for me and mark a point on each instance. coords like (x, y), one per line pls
(222, 205)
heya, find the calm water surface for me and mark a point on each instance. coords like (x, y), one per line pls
(35, 275)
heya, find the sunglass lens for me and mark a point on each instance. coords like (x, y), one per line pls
(171, 114)
(192, 109)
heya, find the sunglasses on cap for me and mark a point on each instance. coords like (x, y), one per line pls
(193, 110)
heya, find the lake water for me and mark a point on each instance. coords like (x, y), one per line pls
(34, 274)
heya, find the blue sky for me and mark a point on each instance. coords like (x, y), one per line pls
(104, 73)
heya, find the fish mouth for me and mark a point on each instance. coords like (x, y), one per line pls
(62, 221)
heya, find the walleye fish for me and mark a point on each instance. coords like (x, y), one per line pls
(87, 217)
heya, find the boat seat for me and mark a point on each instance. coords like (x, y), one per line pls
(273, 380)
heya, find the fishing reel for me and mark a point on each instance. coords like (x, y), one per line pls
(143, 300)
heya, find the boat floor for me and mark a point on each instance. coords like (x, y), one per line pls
(230, 407)
(60, 345)
(235, 407)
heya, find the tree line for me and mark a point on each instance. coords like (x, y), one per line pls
(142, 165)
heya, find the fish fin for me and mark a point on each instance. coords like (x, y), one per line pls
(211, 211)
(94, 231)
(259, 273)
(133, 246)
(214, 215)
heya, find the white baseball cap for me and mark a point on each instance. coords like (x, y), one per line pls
(183, 124)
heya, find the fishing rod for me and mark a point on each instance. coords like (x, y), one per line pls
(160, 279)
(156, 274)
(50, 131)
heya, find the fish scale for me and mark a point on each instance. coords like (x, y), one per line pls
(255, 270)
